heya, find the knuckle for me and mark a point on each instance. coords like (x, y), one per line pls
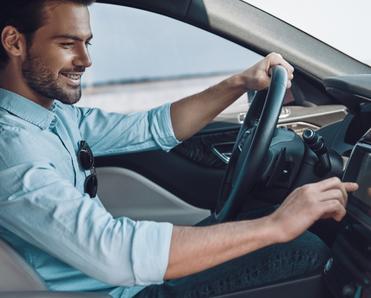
(275, 54)
(336, 180)
(338, 205)
(332, 205)
(338, 193)
(341, 214)
(261, 81)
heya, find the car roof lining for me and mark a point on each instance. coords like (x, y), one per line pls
(257, 30)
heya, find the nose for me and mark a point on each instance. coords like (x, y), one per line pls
(82, 58)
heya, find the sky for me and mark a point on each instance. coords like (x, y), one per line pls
(343, 24)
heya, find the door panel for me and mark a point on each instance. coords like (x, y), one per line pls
(126, 193)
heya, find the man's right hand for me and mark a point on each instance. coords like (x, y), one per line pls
(307, 204)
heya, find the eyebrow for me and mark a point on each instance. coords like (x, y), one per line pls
(73, 37)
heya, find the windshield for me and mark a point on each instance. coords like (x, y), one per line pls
(343, 24)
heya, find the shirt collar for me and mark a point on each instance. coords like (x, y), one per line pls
(26, 109)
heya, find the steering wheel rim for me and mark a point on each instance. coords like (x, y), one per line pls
(252, 144)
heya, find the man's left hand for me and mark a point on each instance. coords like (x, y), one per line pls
(258, 77)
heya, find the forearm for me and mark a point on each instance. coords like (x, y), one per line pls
(194, 249)
(192, 113)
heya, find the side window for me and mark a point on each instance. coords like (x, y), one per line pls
(141, 60)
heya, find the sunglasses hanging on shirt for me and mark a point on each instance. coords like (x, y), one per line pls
(86, 160)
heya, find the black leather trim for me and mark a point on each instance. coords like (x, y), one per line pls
(198, 148)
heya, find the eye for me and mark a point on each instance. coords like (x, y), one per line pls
(88, 44)
(67, 45)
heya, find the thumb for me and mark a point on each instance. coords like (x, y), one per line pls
(350, 186)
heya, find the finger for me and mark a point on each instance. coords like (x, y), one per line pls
(333, 209)
(289, 80)
(343, 192)
(334, 194)
(335, 183)
(350, 186)
(289, 84)
(277, 59)
(328, 183)
(288, 66)
(339, 214)
(346, 187)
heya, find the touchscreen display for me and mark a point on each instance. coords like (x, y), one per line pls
(364, 181)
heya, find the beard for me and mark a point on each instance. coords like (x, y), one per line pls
(41, 80)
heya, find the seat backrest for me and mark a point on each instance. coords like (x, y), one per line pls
(15, 273)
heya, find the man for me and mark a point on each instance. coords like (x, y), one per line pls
(48, 208)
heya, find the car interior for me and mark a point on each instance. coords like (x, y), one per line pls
(319, 129)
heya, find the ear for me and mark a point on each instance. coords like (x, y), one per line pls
(13, 41)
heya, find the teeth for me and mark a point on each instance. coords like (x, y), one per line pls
(72, 76)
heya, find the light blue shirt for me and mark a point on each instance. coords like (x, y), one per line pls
(71, 241)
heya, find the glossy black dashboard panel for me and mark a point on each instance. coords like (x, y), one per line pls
(359, 170)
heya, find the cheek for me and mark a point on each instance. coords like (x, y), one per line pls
(59, 60)
(51, 60)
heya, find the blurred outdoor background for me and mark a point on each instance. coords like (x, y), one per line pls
(142, 59)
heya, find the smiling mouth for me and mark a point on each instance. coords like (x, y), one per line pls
(72, 76)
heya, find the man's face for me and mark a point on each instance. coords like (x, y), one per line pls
(58, 55)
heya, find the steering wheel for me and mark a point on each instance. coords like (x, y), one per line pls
(251, 147)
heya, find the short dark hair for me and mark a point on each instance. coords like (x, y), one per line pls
(27, 16)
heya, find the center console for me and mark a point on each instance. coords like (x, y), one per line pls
(348, 272)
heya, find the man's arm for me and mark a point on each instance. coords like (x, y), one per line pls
(192, 113)
(195, 249)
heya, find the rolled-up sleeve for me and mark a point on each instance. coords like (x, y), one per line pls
(113, 133)
(47, 211)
